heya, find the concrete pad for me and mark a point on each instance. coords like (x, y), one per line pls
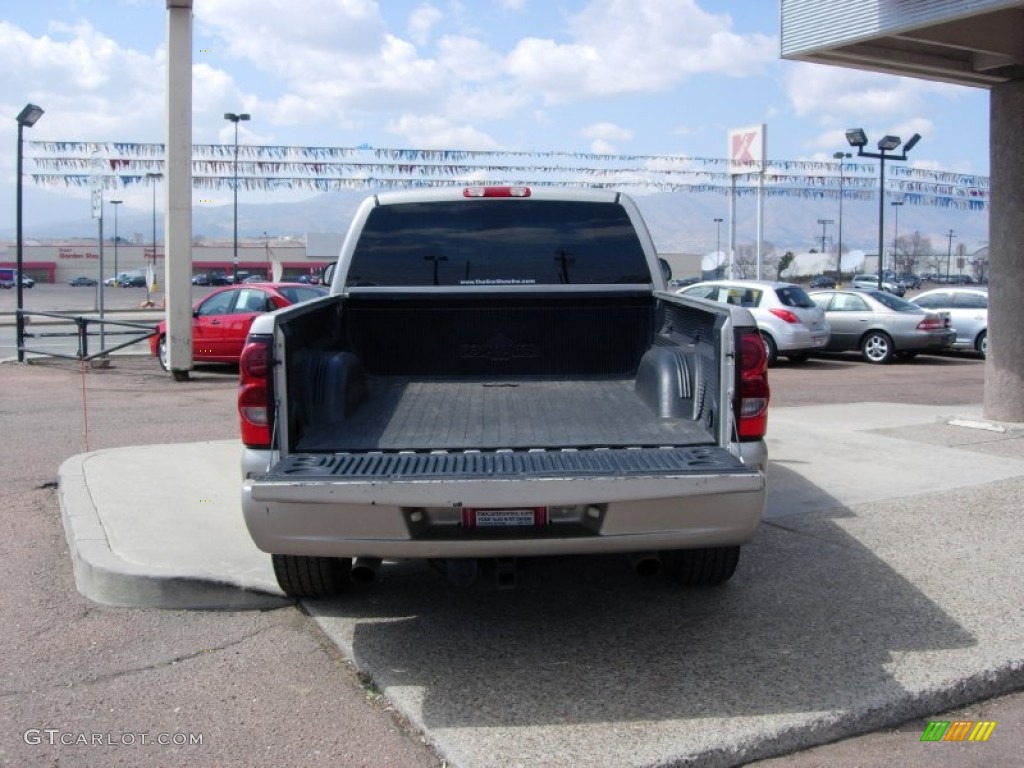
(864, 452)
(818, 637)
(161, 526)
(857, 606)
(878, 590)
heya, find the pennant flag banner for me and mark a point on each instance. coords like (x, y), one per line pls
(324, 169)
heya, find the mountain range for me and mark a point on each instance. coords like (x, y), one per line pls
(680, 222)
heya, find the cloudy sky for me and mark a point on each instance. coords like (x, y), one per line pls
(608, 76)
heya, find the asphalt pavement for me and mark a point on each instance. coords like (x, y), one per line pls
(882, 589)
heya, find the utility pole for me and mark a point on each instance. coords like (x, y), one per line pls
(824, 223)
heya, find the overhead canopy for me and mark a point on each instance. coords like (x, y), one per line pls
(968, 42)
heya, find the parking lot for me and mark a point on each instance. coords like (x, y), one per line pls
(270, 687)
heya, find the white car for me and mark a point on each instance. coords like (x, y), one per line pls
(968, 314)
(791, 324)
(870, 283)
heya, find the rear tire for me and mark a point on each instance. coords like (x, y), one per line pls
(876, 347)
(700, 567)
(161, 352)
(302, 576)
(771, 349)
(981, 345)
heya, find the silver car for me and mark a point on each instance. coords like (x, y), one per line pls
(882, 326)
(968, 312)
(870, 283)
(790, 323)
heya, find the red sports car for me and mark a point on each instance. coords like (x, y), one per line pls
(220, 322)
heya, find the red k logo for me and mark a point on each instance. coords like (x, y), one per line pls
(741, 144)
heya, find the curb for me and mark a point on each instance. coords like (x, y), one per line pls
(105, 578)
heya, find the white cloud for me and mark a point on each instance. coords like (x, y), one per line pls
(422, 22)
(434, 132)
(633, 46)
(835, 95)
(602, 147)
(90, 87)
(466, 59)
(607, 131)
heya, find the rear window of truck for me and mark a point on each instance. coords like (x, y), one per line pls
(498, 243)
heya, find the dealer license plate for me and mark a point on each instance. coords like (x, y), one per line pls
(504, 518)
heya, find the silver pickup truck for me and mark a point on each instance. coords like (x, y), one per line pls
(498, 372)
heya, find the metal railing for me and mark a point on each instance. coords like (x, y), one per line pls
(81, 331)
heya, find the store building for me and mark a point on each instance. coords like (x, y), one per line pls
(63, 261)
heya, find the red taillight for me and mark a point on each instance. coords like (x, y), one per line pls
(932, 323)
(496, 192)
(255, 405)
(752, 371)
(785, 315)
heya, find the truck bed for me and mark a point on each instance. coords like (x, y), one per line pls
(400, 413)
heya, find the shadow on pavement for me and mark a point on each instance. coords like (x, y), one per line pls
(809, 623)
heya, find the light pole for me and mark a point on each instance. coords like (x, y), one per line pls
(896, 205)
(153, 179)
(824, 224)
(26, 119)
(840, 156)
(115, 203)
(235, 119)
(949, 253)
(718, 246)
(859, 139)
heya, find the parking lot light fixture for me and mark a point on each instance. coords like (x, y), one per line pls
(236, 118)
(26, 119)
(889, 143)
(857, 138)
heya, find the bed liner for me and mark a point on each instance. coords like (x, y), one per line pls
(404, 414)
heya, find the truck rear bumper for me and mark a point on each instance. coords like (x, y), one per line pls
(705, 505)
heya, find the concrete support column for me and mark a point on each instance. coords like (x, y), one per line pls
(178, 188)
(1004, 369)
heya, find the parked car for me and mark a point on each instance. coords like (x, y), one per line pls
(870, 283)
(968, 312)
(882, 326)
(80, 281)
(220, 321)
(790, 323)
(910, 282)
(683, 282)
(133, 281)
(27, 281)
(822, 281)
(210, 278)
(960, 280)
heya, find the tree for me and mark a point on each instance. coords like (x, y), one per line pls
(783, 264)
(916, 251)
